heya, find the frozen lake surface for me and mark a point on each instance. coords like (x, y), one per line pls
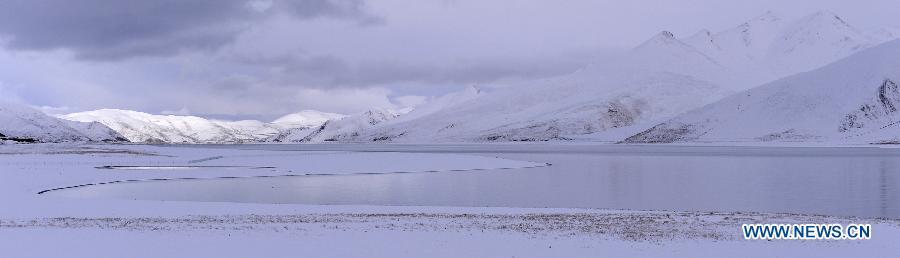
(842, 181)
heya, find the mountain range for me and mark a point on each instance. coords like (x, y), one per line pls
(612, 99)
(21, 123)
(854, 100)
(817, 78)
(146, 128)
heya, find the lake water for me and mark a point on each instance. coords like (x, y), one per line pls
(828, 181)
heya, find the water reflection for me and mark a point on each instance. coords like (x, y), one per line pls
(828, 184)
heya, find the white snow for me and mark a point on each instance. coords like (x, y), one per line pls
(851, 101)
(144, 127)
(658, 79)
(604, 101)
(340, 129)
(23, 122)
(28, 169)
(30, 224)
(814, 81)
(303, 126)
(306, 119)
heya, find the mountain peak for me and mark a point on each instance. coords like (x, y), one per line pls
(662, 38)
(825, 13)
(31, 125)
(306, 118)
(823, 26)
(767, 17)
(755, 33)
(824, 18)
(666, 35)
(850, 99)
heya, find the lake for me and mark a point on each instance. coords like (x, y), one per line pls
(845, 181)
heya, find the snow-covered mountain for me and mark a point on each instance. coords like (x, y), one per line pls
(143, 127)
(770, 47)
(147, 128)
(854, 100)
(22, 123)
(662, 77)
(306, 119)
(536, 112)
(608, 100)
(344, 128)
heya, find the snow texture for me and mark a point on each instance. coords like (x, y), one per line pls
(92, 227)
(20, 123)
(608, 100)
(854, 100)
(146, 128)
(612, 99)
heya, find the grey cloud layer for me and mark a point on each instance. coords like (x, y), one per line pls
(115, 29)
(327, 71)
(229, 57)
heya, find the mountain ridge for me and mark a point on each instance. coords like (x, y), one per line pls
(20, 123)
(659, 79)
(852, 100)
(628, 92)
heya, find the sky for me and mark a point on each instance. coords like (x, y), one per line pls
(260, 59)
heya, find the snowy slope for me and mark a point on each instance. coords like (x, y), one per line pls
(814, 41)
(854, 100)
(27, 124)
(770, 47)
(304, 126)
(571, 107)
(665, 53)
(437, 104)
(143, 127)
(607, 100)
(345, 128)
(296, 127)
(350, 128)
(306, 119)
(591, 100)
(741, 49)
(658, 79)
(885, 34)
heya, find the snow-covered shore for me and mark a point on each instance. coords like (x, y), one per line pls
(34, 225)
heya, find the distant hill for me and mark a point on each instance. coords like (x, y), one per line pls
(20, 123)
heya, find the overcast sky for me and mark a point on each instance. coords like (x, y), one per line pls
(263, 59)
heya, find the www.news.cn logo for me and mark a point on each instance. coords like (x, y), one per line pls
(807, 231)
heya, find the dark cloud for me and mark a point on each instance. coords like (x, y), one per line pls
(333, 72)
(346, 9)
(115, 29)
(426, 48)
